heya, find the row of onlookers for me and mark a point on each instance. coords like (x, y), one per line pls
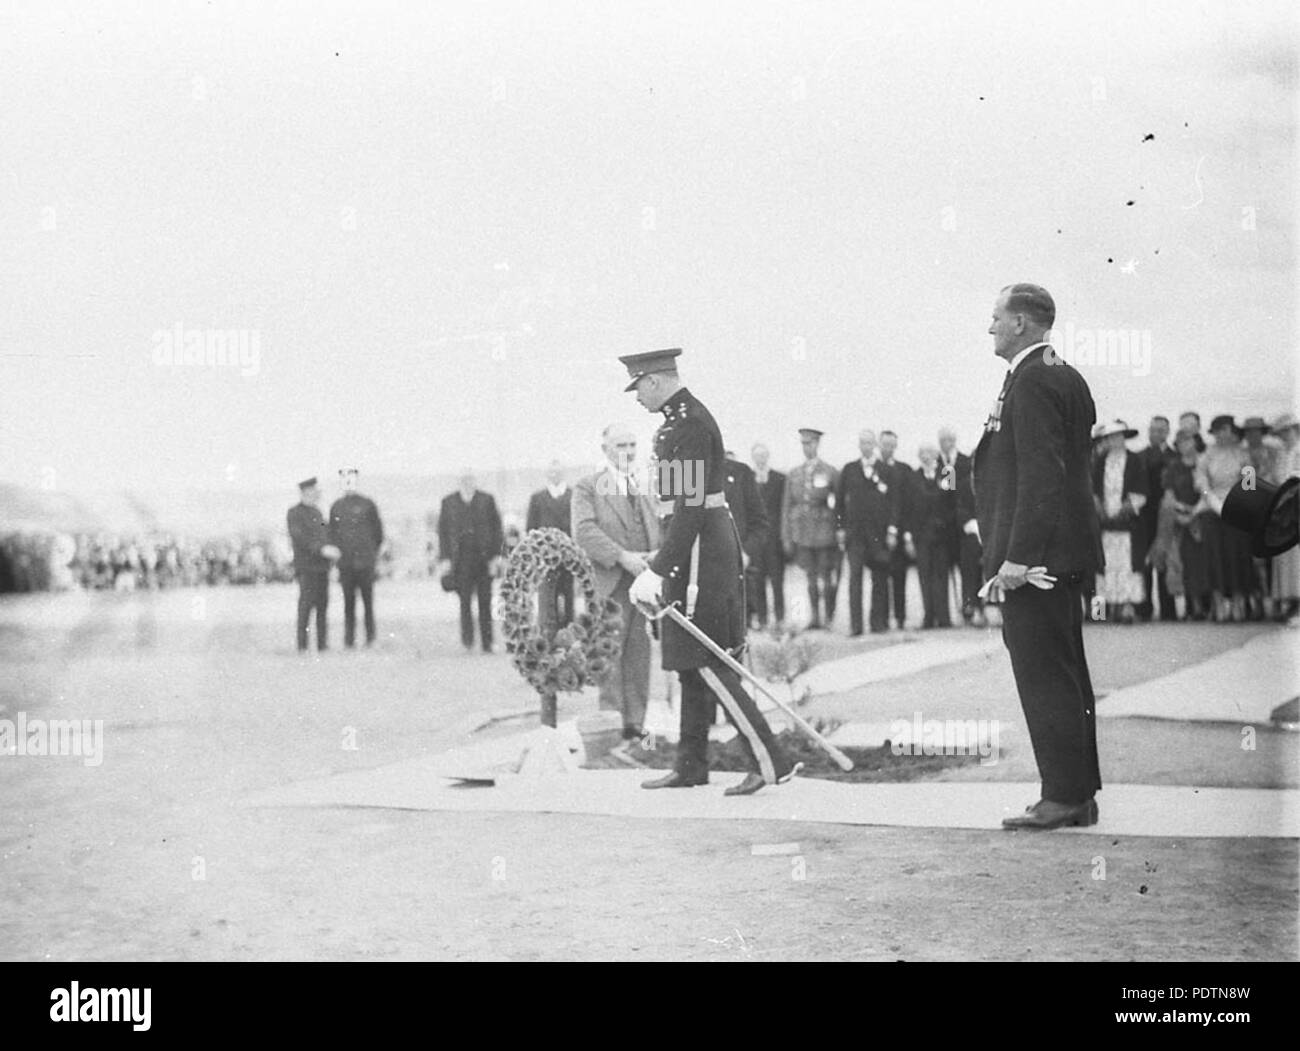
(55, 561)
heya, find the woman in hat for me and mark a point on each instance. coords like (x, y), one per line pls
(1285, 588)
(1264, 451)
(1227, 550)
(1119, 487)
(1178, 548)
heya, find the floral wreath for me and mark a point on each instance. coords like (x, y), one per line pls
(576, 655)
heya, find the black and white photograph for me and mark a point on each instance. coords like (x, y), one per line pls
(573, 482)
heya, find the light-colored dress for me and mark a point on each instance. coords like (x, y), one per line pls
(1119, 583)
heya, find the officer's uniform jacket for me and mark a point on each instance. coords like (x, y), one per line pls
(356, 530)
(689, 435)
(308, 533)
(808, 511)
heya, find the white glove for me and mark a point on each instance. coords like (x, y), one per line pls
(994, 590)
(646, 588)
(972, 528)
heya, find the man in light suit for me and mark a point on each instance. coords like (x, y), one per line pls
(808, 526)
(616, 524)
(1033, 495)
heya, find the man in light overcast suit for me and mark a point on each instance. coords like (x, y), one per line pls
(618, 528)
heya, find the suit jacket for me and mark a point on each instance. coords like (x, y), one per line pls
(747, 508)
(1135, 481)
(901, 478)
(773, 494)
(807, 510)
(865, 507)
(932, 510)
(1155, 461)
(546, 512)
(1032, 472)
(965, 493)
(356, 530)
(469, 534)
(604, 526)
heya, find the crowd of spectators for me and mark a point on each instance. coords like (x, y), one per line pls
(54, 561)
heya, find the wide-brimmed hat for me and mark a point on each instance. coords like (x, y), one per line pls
(1220, 421)
(1255, 423)
(1284, 422)
(1105, 430)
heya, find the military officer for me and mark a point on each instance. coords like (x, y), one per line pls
(808, 526)
(698, 569)
(312, 555)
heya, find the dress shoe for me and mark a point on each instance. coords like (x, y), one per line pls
(753, 782)
(1045, 815)
(675, 780)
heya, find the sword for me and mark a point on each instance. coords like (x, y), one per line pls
(672, 612)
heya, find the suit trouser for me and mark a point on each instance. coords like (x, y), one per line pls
(469, 588)
(898, 583)
(352, 581)
(771, 567)
(857, 553)
(933, 566)
(972, 553)
(1043, 632)
(702, 690)
(1147, 608)
(820, 566)
(313, 593)
(563, 598)
(627, 687)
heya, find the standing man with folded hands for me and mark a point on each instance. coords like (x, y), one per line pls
(1032, 483)
(616, 524)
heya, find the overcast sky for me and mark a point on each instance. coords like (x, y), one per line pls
(439, 225)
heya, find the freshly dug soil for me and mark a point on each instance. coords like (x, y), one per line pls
(869, 764)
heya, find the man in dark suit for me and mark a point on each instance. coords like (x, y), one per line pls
(550, 508)
(866, 508)
(900, 477)
(356, 530)
(955, 479)
(1155, 458)
(750, 515)
(469, 541)
(1033, 494)
(312, 555)
(698, 569)
(933, 517)
(770, 563)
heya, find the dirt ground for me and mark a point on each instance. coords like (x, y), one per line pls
(151, 856)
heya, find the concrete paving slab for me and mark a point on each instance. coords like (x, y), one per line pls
(1126, 810)
(1243, 685)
